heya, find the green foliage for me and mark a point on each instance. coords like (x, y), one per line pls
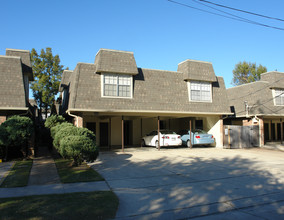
(245, 72)
(54, 120)
(61, 133)
(47, 73)
(19, 130)
(79, 148)
(56, 128)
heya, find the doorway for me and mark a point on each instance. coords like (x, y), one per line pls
(127, 127)
(103, 134)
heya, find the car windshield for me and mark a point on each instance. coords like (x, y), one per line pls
(199, 131)
(167, 132)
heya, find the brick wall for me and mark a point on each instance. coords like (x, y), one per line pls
(2, 119)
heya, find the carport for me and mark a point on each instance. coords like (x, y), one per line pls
(125, 129)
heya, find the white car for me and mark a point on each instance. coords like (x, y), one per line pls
(167, 138)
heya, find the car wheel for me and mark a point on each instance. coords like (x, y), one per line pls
(157, 144)
(188, 143)
(143, 143)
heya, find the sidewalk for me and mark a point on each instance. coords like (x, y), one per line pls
(44, 179)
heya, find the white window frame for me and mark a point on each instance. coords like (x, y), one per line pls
(117, 85)
(277, 92)
(189, 83)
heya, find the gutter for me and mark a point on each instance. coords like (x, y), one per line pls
(75, 116)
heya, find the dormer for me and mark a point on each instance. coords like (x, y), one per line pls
(117, 69)
(199, 76)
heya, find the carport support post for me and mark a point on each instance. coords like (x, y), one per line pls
(190, 134)
(159, 133)
(122, 133)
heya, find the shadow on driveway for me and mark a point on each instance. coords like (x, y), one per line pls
(175, 184)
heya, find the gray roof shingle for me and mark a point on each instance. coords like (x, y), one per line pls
(258, 96)
(12, 91)
(153, 90)
(25, 58)
(112, 61)
(197, 70)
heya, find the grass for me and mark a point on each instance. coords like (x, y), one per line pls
(71, 174)
(91, 205)
(19, 174)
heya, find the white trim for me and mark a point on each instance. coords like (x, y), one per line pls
(274, 96)
(119, 97)
(147, 111)
(18, 50)
(14, 108)
(199, 101)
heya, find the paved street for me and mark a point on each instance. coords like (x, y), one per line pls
(202, 183)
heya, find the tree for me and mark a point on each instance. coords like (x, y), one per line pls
(245, 72)
(47, 73)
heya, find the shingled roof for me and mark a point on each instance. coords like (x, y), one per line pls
(154, 91)
(65, 79)
(258, 96)
(12, 91)
(113, 61)
(25, 59)
(197, 70)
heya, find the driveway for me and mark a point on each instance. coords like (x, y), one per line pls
(201, 183)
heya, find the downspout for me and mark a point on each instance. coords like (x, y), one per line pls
(75, 116)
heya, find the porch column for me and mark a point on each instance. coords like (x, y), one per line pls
(221, 132)
(159, 133)
(141, 133)
(79, 122)
(122, 133)
(190, 135)
(261, 132)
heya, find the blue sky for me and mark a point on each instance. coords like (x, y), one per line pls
(160, 33)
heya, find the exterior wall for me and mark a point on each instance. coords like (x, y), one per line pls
(214, 127)
(2, 119)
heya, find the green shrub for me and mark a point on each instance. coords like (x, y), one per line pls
(54, 120)
(79, 148)
(62, 133)
(56, 128)
(19, 131)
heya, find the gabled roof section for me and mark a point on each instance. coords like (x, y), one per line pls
(65, 80)
(276, 79)
(12, 91)
(259, 98)
(115, 61)
(197, 70)
(25, 58)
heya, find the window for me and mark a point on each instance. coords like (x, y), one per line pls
(115, 85)
(279, 96)
(200, 91)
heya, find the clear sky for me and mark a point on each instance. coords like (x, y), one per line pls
(160, 33)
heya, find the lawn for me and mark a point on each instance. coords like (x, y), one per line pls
(72, 174)
(19, 174)
(91, 205)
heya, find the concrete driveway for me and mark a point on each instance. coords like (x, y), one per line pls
(202, 183)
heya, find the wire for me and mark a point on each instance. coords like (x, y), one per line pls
(244, 19)
(240, 10)
(233, 18)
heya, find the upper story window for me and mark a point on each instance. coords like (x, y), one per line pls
(279, 96)
(116, 85)
(200, 91)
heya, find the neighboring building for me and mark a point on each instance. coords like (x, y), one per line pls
(16, 73)
(116, 99)
(260, 103)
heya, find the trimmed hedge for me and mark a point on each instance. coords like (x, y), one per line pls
(79, 148)
(54, 120)
(15, 132)
(58, 127)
